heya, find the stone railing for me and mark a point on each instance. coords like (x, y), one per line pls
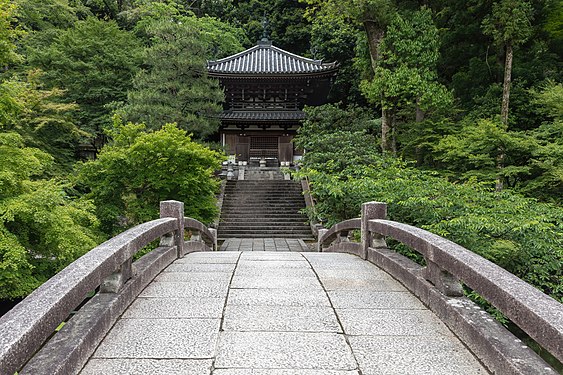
(27, 336)
(438, 285)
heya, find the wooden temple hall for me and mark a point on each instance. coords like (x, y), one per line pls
(266, 89)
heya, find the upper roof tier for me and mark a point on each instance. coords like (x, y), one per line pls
(266, 59)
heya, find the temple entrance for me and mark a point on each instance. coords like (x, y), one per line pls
(276, 147)
(263, 147)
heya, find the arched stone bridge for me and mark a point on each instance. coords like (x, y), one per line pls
(351, 308)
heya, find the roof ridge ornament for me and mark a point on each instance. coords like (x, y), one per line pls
(265, 32)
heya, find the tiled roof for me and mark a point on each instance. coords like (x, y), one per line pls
(263, 115)
(264, 58)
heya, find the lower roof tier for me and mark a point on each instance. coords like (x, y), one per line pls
(263, 115)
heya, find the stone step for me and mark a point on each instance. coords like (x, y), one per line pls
(264, 214)
(223, 237)
(275, 206)
(284, 226)
(300, 219)
(259, 192)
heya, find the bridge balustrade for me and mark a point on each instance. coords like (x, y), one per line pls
(27, 336)
(438, 285)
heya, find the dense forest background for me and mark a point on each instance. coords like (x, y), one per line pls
(452, 112)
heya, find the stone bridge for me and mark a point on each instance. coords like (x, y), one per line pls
(350, 308)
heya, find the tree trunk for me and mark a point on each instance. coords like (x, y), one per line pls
(506, 85)
(499, 185)
(387, 131)
(419, 117)
(375, 35)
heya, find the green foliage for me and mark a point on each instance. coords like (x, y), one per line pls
(42, 230)
(174, 86)
(407, 71)
(40, 117)
(138, 170)
(8, 34)
(519, 234)
(509, 22)
(94, 63)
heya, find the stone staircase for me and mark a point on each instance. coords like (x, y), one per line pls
(263, 209)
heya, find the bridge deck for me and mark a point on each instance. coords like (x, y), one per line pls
(231, 313)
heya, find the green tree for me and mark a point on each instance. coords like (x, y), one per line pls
(174, 86)
(406, 74)
(42, 230)
(520, 234)
(94, 62)
(8, 34)
(138, 170)
(509, 24)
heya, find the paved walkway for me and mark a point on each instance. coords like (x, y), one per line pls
(280, 313)
(264, 244)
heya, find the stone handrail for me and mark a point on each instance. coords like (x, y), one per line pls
(336, 238)
(438, 285)
(199, 232)
(28, 327)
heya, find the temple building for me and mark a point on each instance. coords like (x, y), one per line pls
(266, 89)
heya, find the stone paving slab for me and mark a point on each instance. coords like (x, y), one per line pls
(396, 355)
(264, 264)
(369, 299)
(275, 272)
(284, 350)
(160, 339)
(276, 297)
(147, 366)
(248, 371)
(194, 276)
(205, 289)
(264, 282)
(198, 267)
(155, 308)
(281, 319)
(210, 259)
(351, 283)
(264, 244)
(268, 255)
(394, 322)
(279, 313)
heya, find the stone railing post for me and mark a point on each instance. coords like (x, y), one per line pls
(114, 282)
(370, 211)
(174, 209)
(320, 247)
(214, 234)
(444, 281)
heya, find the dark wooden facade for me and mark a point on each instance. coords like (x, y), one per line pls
(266, 89)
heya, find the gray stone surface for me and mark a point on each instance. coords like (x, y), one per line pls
(393, 322)
(155, 308)
(396, 355)
(248, 371)
(369, 299)
(351, 283)
(284, 350)
(160, 338)
(147, 366)
(275, 272)
(206, 289)
(194, 276)
(210, 257)
(276, 297)
(191, 267)
(268, 255)
(264, 282)
(281, 319)
(264, 244)
(277, 264)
